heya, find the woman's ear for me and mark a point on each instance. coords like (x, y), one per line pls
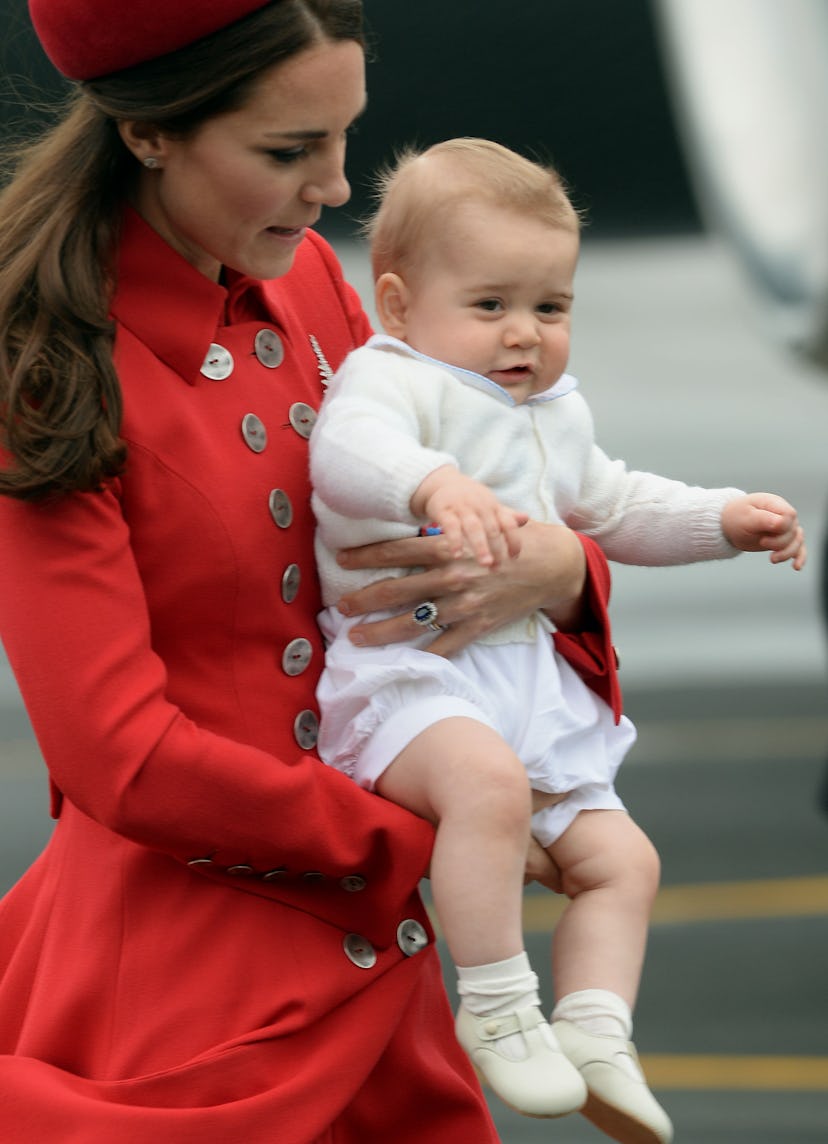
(391, 301)
(144, 141)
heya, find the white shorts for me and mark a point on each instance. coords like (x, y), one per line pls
(374, 701)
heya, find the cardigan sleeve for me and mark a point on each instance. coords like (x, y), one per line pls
(646, 519)
(74, 622)
(367, 458)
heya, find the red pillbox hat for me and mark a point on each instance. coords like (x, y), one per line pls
(85, 39)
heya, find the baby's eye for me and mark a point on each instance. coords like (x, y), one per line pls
(550, 308)
(490, 305)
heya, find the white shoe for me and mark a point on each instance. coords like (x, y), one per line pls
(543, 1083)
(619, 1101)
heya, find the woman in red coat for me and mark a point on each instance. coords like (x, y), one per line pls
(223, 941)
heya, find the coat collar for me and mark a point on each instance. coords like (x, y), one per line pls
(169, 305)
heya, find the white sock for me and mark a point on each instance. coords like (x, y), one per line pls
(596, 1011)
(497, 989)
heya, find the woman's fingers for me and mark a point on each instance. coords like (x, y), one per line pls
(407, 552)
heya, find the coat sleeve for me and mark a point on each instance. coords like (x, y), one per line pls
(591, 652)
(75, 625)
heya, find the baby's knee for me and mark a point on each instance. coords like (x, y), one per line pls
(618, 856)
(643, 864)
(498, 785)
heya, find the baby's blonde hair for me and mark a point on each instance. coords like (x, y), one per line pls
(420, 188)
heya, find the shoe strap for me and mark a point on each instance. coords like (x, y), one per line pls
(521, 1021)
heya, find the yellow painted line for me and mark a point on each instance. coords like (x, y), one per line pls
(714, 901)
(746, 1074)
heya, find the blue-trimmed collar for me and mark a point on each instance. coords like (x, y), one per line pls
(565, 383)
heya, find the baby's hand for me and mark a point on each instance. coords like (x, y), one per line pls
(469, 515)
(765, 522)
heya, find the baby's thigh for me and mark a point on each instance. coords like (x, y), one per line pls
(456, 764)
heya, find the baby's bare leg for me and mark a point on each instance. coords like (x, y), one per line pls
(462, 776)
(610, 871)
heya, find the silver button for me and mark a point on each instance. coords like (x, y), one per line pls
(280, 508)
(269, 348)
(203, 862)
(254, 433)
(218, 363)
(353, 883)
(313, 877)
(275, 875)
(291, 579)
(411, 937)
(296, 656)
(302, 418)
(241, 870)
(359, 950)
(306, 729)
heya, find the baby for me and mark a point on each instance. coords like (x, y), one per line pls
(462, 416)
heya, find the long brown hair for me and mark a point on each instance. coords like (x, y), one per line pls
(60, 399)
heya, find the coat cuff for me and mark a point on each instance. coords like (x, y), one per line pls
(591, 652)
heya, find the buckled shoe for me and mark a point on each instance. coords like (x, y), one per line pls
(542, 1084)
(619, 1101)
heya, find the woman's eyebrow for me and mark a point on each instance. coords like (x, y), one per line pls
(310, 133)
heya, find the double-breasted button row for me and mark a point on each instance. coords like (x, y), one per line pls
(218, 363)
(411, 938)
(350, 883)
(302, 418)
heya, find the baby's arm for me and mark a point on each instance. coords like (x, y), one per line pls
(469, 514)
(762, 522)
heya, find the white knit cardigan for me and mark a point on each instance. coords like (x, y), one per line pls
(392, 415)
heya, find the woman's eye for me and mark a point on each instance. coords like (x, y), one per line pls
(288, 155)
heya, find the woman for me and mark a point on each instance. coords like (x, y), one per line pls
(223, 940)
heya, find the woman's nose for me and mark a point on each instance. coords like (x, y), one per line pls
(328, 186)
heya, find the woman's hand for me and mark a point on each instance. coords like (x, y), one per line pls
(471, 600)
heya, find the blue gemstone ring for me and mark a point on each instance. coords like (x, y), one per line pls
(425, 615)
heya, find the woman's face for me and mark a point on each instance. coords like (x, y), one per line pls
(241, 190)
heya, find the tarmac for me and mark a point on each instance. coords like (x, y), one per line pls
(724, 672)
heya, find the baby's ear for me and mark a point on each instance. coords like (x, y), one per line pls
(391, 301)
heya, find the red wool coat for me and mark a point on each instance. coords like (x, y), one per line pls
(223, 941)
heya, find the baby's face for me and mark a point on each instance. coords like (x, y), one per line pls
(494, 295)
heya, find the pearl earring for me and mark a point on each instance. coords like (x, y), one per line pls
(151, 162)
